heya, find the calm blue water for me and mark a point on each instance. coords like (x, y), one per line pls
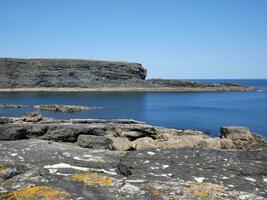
(205, 111)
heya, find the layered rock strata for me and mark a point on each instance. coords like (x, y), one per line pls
(123, 134)
(89, 75)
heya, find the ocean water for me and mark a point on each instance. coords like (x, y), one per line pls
(205, 111)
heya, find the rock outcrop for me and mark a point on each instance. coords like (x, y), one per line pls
(123, 134)
(127, 159)
(63, 108)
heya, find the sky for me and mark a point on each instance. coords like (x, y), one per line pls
(176, 39)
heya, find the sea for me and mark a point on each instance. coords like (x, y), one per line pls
(204, 111)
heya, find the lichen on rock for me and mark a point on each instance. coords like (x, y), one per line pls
(2, 168)
(37, 193)
(92, 179)
(205, 189)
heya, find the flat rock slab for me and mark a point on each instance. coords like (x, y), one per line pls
(78, 173)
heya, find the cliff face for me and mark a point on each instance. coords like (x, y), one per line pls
(18, 73)
(91, 75)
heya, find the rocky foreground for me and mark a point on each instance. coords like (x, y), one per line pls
(90, 75)
(42, 158)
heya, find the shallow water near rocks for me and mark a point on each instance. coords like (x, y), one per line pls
(205, 111)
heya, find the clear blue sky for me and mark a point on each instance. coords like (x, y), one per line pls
(172, 39)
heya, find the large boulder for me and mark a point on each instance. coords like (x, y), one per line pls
(120, 143)
(94, 142)
(180, 141)
(12, 132)
(144, 143)
(236, 133)
(32, 117)
(61, 134)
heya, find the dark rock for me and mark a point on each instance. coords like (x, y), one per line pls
(61, 134)
(36, 131)
(242, 170)
(124, 169)
(94, 142)
(8, 132)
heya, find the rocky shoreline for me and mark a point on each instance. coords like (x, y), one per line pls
(127, 159)
(116, 159)
(123, 135)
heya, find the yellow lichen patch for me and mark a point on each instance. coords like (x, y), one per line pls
(2, 168)
(156, 192)
(37, 193)
(92, 179)
(204, 189)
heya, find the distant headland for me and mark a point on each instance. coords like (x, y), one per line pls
(18, 74)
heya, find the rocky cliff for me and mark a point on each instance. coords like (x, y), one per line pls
(17, 73)
(90, 75)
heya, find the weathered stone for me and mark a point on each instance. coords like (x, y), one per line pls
(226, 143)
(212, 143)
(120, 143)
(12, 171)
(236, 133)
(35, 131)
(144, 143)
(12, 132)
(235, 170)
(129, 189)
(32, 117)
(94, 142)
(180, 141)
(61, 134)
(185, 173)
(169, 143)
(192, 140)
